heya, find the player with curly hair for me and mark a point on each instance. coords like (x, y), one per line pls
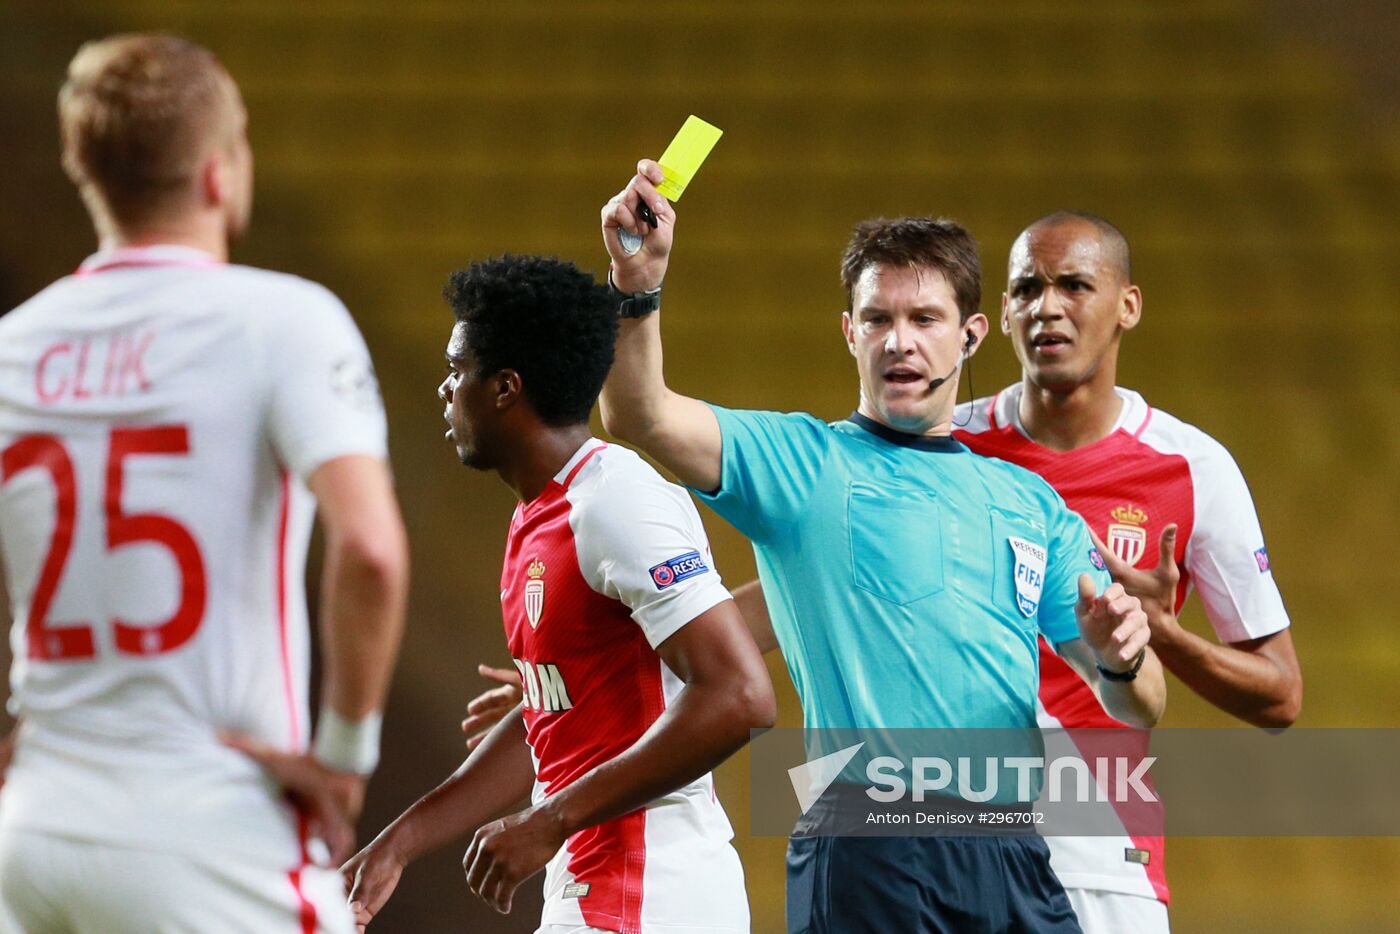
(639, 674)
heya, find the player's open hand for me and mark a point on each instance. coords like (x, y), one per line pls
(487, 708)
(1112, 623)
(506, 852)
(371, 876)
(1155, 587)
(643, 270)
(330, 797)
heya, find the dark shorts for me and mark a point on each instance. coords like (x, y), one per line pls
(924, 885)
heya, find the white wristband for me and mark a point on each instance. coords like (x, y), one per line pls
(350, 746)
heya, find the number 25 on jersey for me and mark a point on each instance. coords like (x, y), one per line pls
(73, 641)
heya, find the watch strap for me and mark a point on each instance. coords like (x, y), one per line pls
(1122, 676)
(634, 304)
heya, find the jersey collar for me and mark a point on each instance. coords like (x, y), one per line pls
(937, 444)
(1132, 417)
(163, 254)
(575, 463)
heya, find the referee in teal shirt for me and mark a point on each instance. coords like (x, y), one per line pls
(905, 548)
(907, 579)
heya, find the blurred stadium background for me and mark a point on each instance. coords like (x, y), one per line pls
(1250, 150)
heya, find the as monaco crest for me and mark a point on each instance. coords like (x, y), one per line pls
(534, 592)
(1126, 536)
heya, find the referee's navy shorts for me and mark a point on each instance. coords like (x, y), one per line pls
(924, 885)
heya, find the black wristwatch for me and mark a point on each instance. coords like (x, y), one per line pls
(634, 304)
(1129, 675)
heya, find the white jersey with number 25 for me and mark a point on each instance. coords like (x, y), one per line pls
(159, 412)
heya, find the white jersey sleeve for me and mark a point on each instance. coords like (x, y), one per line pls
(1226, 556)
(324, 398)
(640, 541)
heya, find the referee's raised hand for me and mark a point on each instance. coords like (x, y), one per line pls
(643, 270)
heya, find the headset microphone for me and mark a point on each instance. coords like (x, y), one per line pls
(967, 348)
(935, 383)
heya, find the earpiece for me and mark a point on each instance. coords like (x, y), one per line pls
(967, 349)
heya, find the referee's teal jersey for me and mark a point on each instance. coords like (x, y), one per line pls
(907, 578)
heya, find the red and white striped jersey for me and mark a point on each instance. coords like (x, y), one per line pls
(1150, 471)
(159, 412)
(600, 569)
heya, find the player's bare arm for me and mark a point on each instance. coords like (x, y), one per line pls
(1257, 680)
(365, 583)
(484, 710)
(490, 705)
(491, 782)
(1113, 638)
(679, 432)
(727, 694)
(754, 607)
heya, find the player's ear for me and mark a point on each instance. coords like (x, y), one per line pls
(1005, 318)
(848, 328)
(1130, 308)
(509, 388)
(215, 181)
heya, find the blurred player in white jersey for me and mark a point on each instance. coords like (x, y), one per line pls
(639, 673)
(1170, 505)
(169, 424)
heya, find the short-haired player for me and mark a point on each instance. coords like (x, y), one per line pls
(170, 425)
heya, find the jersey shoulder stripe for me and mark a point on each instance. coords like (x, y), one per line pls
(1169, 435)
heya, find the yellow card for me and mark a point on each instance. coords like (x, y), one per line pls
(683, 157)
